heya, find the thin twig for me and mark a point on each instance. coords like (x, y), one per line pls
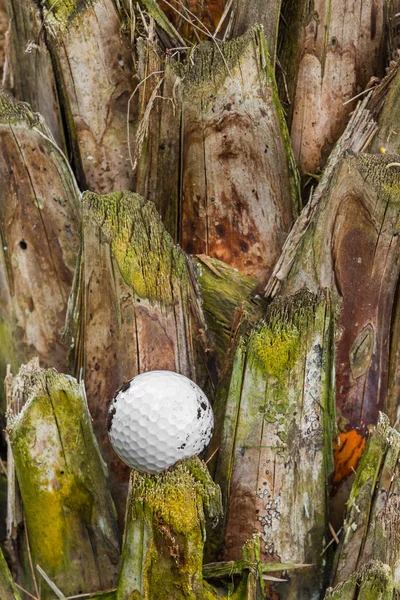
(223, 17)
(333, 532)
(212, 455)
(331, 542)
(128, 111)
(25, 591)
(357, 96)
(51, 583)
(205, 29)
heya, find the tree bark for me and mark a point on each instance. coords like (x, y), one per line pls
(239, 189)
(371, 526)
(133, 279)
(276, 438)
(326, 59)
(39, 223)
(70, 516)
(89, 95)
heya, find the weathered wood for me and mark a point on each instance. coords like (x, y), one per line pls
(247, 13)
(39, 223)
(137, 308)
(326, 60)
(239, 189)
(374, 581)
(164, 533)
(276, 438)
(349, 246)
(8, 590)
(372, 524)
(70, 516)
(229, 297)
(92, 66)
(4, 23)
(30, 73)
(156, 148)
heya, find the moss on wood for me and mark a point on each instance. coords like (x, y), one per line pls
(165, 532)
(63, 482)
(154, 269)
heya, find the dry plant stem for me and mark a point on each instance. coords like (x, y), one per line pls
(69, 512)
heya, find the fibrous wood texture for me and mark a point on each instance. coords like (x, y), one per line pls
(276, 438)
(84, 63)
(238, 186)
(70, 516)
(39, 223)
(137, 308)
(329, 52)
(369, 545)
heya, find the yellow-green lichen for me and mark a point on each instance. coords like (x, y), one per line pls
(382, 172)
(62, 480)
(145, 253)
(13, 111)
(276, 342)
(170, 507)
(185, 485)
(58, 15)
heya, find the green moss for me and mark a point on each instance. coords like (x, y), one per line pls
(370, 463)
(58, 15)
(378, 171)
(185, 485)
(171, 508)
(374, 581)
(62, 478)
(12, 111)
(8, 590)
(277, 342)
(145, 253)
(228, 298)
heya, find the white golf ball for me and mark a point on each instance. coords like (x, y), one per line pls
(158, 418)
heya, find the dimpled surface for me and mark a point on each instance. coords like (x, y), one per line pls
(160, 417)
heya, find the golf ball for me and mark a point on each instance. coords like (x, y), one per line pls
(158, 418)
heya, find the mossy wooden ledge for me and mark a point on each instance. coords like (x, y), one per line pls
(164, 536)
(70, 516)
(374, 581)
(8, 590)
